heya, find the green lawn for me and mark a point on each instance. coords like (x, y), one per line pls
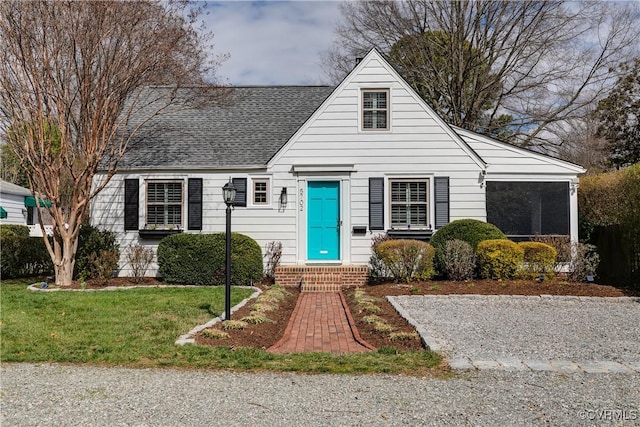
(138, 328)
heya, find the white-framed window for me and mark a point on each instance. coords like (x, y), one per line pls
(164, 204)
(261, 190)
(375, 109)
(409, 203)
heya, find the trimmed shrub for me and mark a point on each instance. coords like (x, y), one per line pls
(539, 259)
(471, 231)
(199, 259)
(581, 259)
(23, 256)
(92, 244)
(499, 259)
(407, 259)
(459, 261)
(562, 245)
(377, 270)
(14, 230)
(103, 264)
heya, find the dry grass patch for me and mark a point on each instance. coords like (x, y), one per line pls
(234, 324)
(256, 317)
(215, 333)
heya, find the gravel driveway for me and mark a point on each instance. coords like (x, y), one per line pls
(60, 395)
(502, 330)
(538, 333)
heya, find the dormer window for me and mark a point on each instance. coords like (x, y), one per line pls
(375, 109)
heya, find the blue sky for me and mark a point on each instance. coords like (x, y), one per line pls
(272, 42)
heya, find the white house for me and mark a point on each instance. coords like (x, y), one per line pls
(18, 206)
(324, 169)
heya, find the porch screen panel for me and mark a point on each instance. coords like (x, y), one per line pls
(528, 208)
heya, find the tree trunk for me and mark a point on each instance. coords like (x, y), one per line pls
(64, 261)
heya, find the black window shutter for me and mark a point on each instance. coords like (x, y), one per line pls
(131, 204)
(194, 207)
(376, 203)
(441, 189)
(241, 191)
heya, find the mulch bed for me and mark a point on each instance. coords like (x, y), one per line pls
(266, 334)
(262, 335)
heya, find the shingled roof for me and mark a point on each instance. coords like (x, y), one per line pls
(244, 130)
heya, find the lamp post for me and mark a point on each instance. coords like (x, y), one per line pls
(229, 195)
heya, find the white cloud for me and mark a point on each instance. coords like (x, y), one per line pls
(272, 42)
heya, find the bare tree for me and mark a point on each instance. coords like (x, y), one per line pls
(72, 75)
(537, 63)
(581, 144)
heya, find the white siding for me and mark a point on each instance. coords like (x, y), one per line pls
(264, 224)
(331, 146)
(417, 145)
(14, 205)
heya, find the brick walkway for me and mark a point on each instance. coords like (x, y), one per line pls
(321, 321)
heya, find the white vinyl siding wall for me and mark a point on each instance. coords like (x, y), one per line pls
(417, 145)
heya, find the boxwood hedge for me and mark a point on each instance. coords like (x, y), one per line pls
(23, 256)
(199, 259)
(471, 231)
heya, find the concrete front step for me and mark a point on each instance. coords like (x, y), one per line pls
(322, 278)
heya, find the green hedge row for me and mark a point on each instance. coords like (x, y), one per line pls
(471, 231)
(199, 259)
(22, 256)
(463, 248)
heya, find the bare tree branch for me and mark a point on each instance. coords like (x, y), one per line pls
(72, 74)
(548, 61)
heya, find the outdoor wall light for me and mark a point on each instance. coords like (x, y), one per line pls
(283, 197)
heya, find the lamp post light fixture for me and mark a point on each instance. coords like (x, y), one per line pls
(229, 195)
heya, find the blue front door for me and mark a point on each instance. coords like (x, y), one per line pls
(323, 220)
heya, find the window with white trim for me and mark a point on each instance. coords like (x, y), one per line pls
(409, 203)
(164, 204)
(375, 109)
(260, 191)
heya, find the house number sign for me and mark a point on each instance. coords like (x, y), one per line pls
(301, 200)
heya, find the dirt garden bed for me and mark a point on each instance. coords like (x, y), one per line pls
(265, 334)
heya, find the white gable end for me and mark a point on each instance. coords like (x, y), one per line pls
(415, 130)
(503, 158)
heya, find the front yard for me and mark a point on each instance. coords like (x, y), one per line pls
(138, 328)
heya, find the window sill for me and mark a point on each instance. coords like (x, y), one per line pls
(157, 234)
(424, 235)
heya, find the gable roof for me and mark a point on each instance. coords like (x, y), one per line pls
(251, 128)
(10, 188)
(245, 130)
(502, 157)
(375, 55)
